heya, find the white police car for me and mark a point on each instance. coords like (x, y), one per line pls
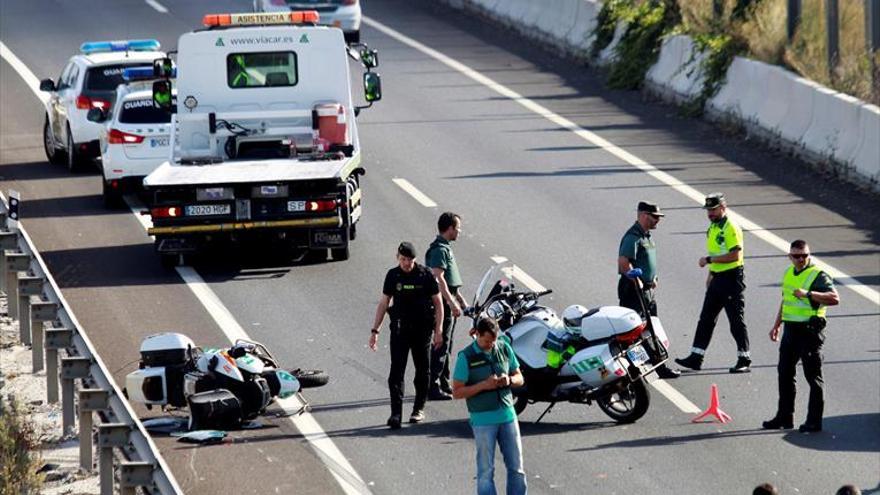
(344, 14)
(135, 138)
(89, 80)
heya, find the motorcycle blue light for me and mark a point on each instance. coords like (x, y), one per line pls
(90, 47)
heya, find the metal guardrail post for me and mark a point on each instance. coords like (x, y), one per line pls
(832, 26)
(90, 401)
(794, 18)
(27, 286)
(56, 338)
(133, 475)
(110, 435)
(15, 262)
(8, 240)
(40, 312)
(71, 369)
(872, 37)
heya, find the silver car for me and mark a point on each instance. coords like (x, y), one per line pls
(344, 14)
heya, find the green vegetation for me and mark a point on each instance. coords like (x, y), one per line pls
(724, 29)
(18, 466)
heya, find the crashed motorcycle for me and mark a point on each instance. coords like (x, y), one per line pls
(609, 360)
(222, 387)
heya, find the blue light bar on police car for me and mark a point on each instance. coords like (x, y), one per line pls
(143, 73)
(90, 47)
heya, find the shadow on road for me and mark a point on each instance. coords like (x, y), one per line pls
(848, 433)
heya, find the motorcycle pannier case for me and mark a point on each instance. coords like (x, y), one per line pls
(216, 409)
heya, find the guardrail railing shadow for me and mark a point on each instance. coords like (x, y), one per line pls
(48, 325)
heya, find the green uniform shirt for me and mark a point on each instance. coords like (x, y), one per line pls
(462, 372)
(638, 246)
(721, 238)
(440, 255)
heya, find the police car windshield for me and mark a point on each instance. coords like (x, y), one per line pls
(106, 77)
(142, 111)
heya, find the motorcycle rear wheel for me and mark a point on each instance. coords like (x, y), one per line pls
(627, 405)
(310, 378)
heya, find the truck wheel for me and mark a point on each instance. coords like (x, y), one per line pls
(627, 405)
(112, 197)
(340, 254)
(352, 232)
(53, 154)
(169, 261)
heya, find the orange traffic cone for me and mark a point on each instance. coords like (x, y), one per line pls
(714, 408)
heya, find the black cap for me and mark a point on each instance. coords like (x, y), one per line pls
(714, 200)
(650, 208)
(406, 249)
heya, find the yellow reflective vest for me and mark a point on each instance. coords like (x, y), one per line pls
(799, 309)
(720, 238)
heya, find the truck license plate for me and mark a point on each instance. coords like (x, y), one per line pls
(296, 206)
(201, 210)
(637, 355)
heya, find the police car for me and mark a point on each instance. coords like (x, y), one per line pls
(89, 80)
(344, 14)
(135, 138)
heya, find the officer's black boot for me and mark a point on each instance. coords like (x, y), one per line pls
(779, 423)
(694, 361)
(743, 365)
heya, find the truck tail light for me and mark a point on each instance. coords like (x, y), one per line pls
(166, 212)
(631, 336)
(115, 136)
(85, 103)
(321, 205)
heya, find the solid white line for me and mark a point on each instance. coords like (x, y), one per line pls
(521, 275)
(762, 233)
(158, 6)
(415, 193)
(29, 78)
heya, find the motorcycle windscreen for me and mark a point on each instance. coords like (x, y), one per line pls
(596, 366)
(494, 280)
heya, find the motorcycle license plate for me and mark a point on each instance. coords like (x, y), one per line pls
(200, 210)
(637, 354)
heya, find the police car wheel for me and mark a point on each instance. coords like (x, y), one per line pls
(112, 198)
(53, 154)
(74, 160)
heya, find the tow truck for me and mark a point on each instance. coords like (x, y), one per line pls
(264, 142)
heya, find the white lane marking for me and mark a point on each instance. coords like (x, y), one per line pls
(29, 78)
(415, 193)
(520, 275)
(158, 6)
(330, 455)
(668, 391)
(779, 243)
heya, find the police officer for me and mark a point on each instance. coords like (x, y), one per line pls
(638, 250)
(806, 291)
(725, 287)
(416, 310)
(441, 260)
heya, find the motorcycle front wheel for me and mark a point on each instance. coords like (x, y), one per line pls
(627, 405)
(310, 378)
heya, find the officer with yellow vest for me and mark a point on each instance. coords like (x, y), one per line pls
(725, 287)
(806, 292)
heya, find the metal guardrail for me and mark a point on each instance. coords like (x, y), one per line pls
(33, 299)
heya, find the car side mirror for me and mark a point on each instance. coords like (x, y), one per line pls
(47, 85)
(372, 87)
(163, 67)
(96, 115)
(370, 58)
(162, 95)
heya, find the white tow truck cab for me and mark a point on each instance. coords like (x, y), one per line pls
(264, 138)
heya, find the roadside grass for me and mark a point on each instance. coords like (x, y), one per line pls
(18, 467)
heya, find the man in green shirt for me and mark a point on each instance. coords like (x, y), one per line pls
(441, 260)
(485, 371)
(725, 287)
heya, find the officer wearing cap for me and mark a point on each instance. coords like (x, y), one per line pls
(411, 296)
(725, 287)
(638, 250)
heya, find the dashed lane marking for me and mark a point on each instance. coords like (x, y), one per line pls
(158, 6)
(593, 138)
(414, 192)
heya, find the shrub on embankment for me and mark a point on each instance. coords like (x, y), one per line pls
(18, 464)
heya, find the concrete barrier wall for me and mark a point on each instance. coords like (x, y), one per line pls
(813, 121)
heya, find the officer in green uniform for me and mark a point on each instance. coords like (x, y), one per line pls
(725, 287)
(485, 372)
(638, 250)
(806, 292)
(441, 260)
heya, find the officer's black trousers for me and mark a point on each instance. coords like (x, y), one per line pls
(409, 338)
(799, 343)
(725, 291)
(441, 357)
(629, 298)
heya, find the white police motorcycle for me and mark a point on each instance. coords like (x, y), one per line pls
(222, 387)
(613, 354)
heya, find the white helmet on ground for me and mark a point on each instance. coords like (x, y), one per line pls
(572, 317)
